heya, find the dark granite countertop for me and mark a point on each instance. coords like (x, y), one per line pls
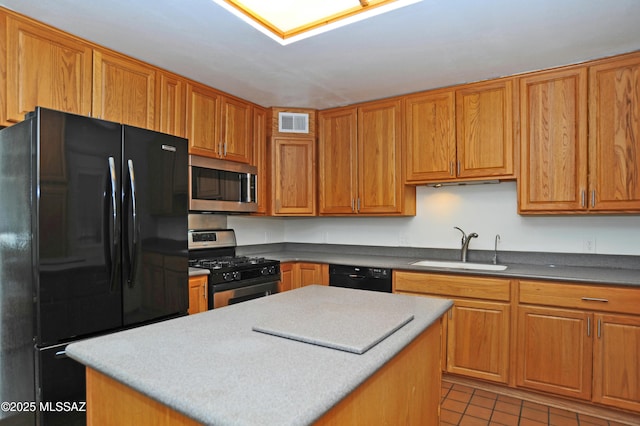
(579, 268)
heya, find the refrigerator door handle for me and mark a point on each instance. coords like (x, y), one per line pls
(136, 230)
(113, 249)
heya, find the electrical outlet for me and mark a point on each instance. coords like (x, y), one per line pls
(589, 245)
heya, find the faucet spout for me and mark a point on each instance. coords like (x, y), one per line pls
(466, 239)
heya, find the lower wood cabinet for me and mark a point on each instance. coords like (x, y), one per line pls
(616, 367)
(554, 351)
(580, 341)
(198, 295)
(299, 274)
(478, 326)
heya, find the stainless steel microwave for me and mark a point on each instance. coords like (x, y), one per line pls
(221, 186)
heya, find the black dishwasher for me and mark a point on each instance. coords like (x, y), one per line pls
(360, 277)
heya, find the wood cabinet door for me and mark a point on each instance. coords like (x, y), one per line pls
(287, 277)
(616, 368)
(614, 134)
(478, 339)
(259, 157)
(171, 104)
(198, 294)
(313, 273)
(484, 127)
(123, 90)
(554, 351)
(293, 180)
(235, 129)
(203, 120)
(380, 181)
(45, 68)
(553, 149)
(337, 159)
(430, 137)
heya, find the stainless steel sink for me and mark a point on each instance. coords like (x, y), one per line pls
(459, 265)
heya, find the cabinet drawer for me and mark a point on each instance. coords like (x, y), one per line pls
(472, 287)
(581, 296)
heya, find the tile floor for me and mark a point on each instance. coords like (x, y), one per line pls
(466, 406)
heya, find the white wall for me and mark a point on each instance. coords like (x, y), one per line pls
(485, 209)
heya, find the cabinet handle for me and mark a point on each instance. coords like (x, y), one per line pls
(593, 198)
(458, 167)
(450, 313)
(588, 326)
(225, 149)
(353, 205)
(599, 328)
(358, 204)
(451, 168)
(583, 197)
(595, 299)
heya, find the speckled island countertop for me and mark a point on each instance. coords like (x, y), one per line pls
(214, 368)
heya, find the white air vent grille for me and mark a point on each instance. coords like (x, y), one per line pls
(291, 122)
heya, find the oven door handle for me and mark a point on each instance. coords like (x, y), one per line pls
(222, 298)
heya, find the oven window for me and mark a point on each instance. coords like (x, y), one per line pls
(216, 185)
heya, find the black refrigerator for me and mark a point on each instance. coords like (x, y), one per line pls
(93, 239)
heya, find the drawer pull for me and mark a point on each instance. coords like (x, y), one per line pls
(595, 299)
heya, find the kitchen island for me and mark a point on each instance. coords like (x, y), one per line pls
(216, 368)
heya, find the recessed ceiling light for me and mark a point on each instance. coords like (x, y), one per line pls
(287, 21)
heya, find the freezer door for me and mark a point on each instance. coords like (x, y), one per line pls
(16, 272)
(155, 256)
(78, 253)
(60, 388)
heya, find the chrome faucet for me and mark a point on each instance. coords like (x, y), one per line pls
(495, 249)
(466, 239)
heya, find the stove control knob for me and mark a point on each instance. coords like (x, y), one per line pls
(272, 270)
(236, 275)
(264, 271)
(227, 276)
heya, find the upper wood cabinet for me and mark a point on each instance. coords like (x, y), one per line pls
(44, 68)
(572, 162)
(203, 122)
(430, 136)
(293, 182)
(292, 166)
(171, 104)
(460, 134)
(614, 134)
(360, 153)
(218, 126)
(337, 160)
(553, 150)
(484, 130)
(123, 90)
(236, 135)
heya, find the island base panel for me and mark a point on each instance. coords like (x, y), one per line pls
(404, 391)
(109, 402)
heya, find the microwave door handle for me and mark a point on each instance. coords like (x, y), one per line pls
(249, 188)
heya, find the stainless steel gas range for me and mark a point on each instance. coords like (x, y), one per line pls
(232, 279)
